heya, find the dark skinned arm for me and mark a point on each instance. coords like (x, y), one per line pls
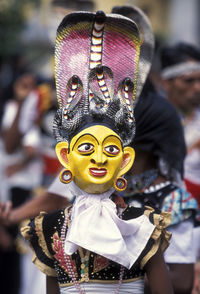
(158, 275)
(52, 285)
(177, 272)
(46, 202)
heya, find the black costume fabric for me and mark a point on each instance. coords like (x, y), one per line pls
(152, 199)
(168, 198)
(159, 130)
(44, 235)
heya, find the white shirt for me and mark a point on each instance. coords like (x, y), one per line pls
(192, 161)
(136, 287)
(30, 176)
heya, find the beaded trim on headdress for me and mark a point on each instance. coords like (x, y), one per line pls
(96, 71)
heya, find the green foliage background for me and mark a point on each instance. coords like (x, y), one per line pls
(12, 20)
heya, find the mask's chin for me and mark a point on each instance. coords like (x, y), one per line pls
(93, 188)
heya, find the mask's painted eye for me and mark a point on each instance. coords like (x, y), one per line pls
(85, 148)
(112, 150)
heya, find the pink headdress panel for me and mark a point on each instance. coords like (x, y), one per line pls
(96, 70)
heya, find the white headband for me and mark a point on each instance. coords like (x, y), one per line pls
(180, 69)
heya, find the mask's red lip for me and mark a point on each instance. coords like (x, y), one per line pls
(98, 172)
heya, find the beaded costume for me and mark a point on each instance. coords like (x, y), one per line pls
(99, 76)
(44, 235)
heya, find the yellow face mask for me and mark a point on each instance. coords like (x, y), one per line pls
(96, 158)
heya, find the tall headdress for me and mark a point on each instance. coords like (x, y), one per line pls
(96, 71)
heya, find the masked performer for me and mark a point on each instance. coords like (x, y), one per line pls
(93, 247)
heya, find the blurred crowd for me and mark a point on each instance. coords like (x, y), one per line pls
(29, 166)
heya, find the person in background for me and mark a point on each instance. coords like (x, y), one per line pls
(21, 166)
(181, 81)
(180, 73)
(156, 178)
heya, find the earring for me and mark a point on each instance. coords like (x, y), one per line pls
(120, 184)
(66, 176)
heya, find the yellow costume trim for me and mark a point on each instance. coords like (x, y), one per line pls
(148, 211)
(25, 231)
(47, 270)
(39, 231)
(103, 281)
(159, 235)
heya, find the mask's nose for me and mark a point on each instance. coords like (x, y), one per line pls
(99, 157)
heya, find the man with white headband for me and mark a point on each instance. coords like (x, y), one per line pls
(181, 80)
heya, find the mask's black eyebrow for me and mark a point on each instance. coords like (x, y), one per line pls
(85, 135)
(114, 137)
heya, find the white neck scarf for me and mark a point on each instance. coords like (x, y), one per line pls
(95, 226)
